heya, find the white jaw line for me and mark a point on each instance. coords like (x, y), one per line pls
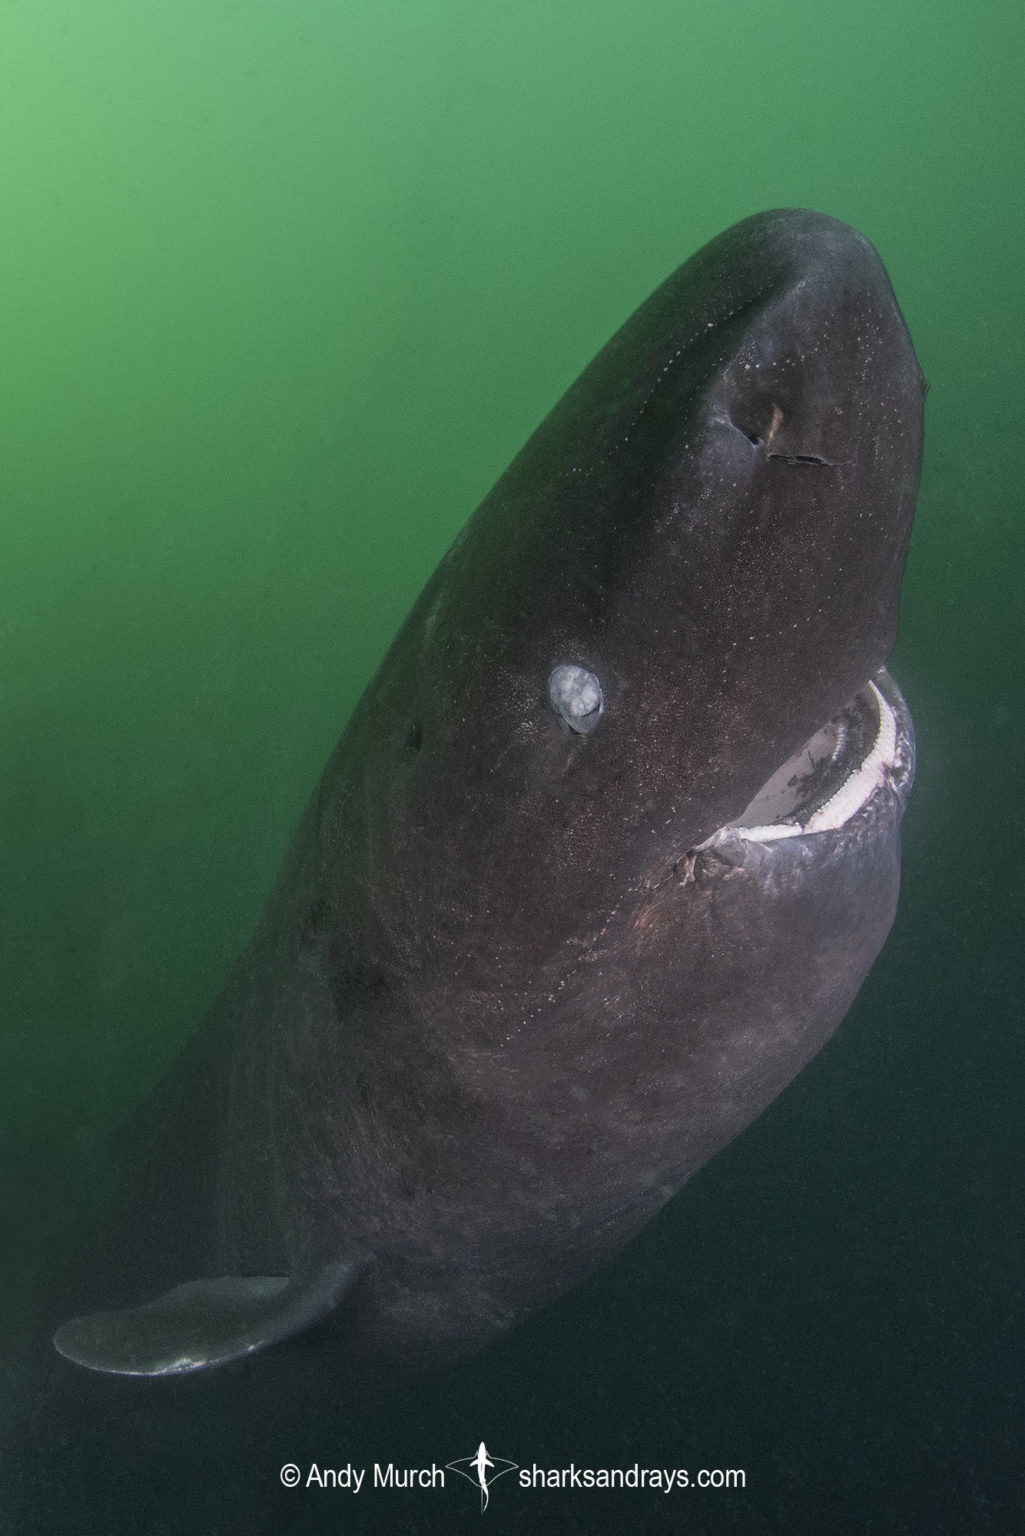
(855, 792)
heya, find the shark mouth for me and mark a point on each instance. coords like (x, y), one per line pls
(865, 751)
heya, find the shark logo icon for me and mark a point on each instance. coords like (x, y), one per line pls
(476, 1468)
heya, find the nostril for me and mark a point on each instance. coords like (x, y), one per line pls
(804, 458)
(754, 438)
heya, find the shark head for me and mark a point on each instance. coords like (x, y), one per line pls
(690, 571)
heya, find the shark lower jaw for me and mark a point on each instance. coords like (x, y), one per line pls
(866, 750)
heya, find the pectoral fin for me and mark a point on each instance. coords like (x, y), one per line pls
(205, 1322)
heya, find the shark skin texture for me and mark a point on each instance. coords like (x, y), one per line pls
(600, 861)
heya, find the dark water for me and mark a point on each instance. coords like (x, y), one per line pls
(283, 290)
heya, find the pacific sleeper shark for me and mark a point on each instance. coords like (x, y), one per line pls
(600, 861)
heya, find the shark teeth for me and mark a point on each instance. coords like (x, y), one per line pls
(867, 747)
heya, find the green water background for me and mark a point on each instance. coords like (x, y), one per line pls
(282, 290)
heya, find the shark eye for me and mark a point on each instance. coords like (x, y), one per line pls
(576, 695)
